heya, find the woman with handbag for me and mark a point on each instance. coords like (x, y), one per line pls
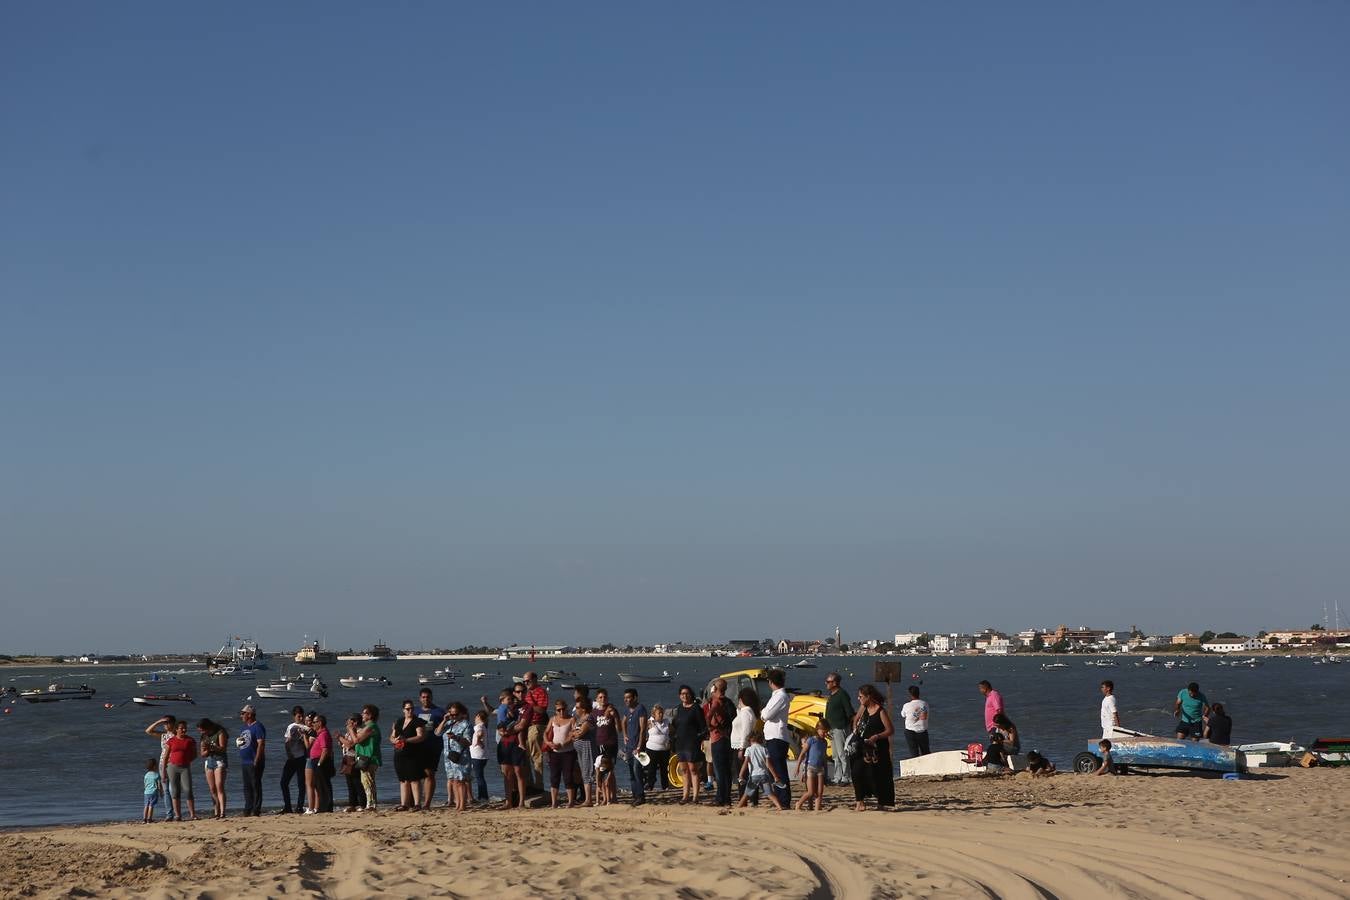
(456, 727)
(356, 795)
(213, 746)
(407, 734)
(367, 748)
(870, 764)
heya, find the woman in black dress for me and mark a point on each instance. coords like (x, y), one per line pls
(409, 758)
(687, 732)
(873, 774)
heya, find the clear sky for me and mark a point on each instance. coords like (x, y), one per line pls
(452, 323)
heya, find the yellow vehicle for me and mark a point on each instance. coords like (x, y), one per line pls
(806, 709)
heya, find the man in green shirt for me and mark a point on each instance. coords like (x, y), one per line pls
(839, 719)
(1191, 708)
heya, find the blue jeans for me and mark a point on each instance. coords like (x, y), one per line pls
(635, 778)
(479, 781)
(721, 760)
(778, 751)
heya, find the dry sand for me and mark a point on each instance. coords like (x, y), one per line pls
(1284, 835)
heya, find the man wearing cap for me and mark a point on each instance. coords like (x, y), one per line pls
(536, 698)
(634, 738)
(252, 742)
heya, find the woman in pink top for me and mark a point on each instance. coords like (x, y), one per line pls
(320, 763)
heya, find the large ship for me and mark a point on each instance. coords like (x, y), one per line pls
(312, 655)
(246, 655)
(381, 652)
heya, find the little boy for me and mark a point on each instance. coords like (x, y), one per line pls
(151, 789)
(1108, 766)
(1038, 765)
(761, 772)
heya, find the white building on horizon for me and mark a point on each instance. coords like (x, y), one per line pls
(1231, 645)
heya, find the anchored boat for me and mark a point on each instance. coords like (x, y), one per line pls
(161, 699)
(280, 690)
(56, 692)
(353, 681)
(634, 678)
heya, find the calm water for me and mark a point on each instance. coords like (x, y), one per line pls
(76, 761)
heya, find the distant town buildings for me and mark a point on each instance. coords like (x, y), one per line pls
(1231, 645)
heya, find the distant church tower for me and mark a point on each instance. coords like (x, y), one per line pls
(837, 640)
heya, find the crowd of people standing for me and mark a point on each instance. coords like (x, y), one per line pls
(725, 750)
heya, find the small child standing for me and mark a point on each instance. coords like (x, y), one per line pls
(813, 755)
(761, 772)
(1108, 766)
(151, 789)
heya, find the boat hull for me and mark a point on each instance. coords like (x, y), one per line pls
(629, 678)
(1169, 753)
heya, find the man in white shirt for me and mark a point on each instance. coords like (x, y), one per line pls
(1110, 717)
(915, 714)
(776, 732)
(294, 766)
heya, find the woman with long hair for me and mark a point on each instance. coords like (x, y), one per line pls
(687, 732)
(455, 726)
(405, 734)
(873, 773)
(213, 750)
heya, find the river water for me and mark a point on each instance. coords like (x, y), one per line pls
(77, 761)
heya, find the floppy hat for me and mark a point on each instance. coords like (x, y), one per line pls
(642, 757)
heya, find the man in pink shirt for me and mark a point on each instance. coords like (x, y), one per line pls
(993, 704)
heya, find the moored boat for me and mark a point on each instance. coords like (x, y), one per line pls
(381, 652)
(635, 678)
(161, 699)
(280, 690)
(56, 692)
(313, 654)
(156, 678)
(353, 681)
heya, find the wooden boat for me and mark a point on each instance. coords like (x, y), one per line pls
(1147, 751)
(57, 692)
(161, 699)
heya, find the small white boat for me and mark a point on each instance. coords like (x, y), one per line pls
(502, 657)
(280, 690)
(804, 664)
(437, 677)
(1104, 663)
(1056, 665)
(232, 671)
(56, 692)
(952, 762)
(156, 678)
(479, 676)
(355, 681)
(161, 699)
(635, 678)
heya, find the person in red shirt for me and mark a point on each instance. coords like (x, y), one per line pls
(718, 714)
(182, 751)
(536, 698)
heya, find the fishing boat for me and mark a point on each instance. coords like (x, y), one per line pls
(246, 654)
(804, 664)
(634, 678)
(312, 654)
(280, 690)
(558, 673)
(56, 692)
(156, 678)
(354, 681)
(500, 657)
(440, 676)
(1055, 665)
(161, 699)
(479, 676)
(381, 652)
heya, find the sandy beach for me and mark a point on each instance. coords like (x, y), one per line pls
(1284, 834)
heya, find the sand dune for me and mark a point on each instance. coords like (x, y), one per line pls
(1070, 836)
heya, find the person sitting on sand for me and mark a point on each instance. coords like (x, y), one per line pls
(1038, 765)
(758, 773)
(1218, 726)
(1108, 766)
(1004, 742)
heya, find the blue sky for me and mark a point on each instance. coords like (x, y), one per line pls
(451, 324)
